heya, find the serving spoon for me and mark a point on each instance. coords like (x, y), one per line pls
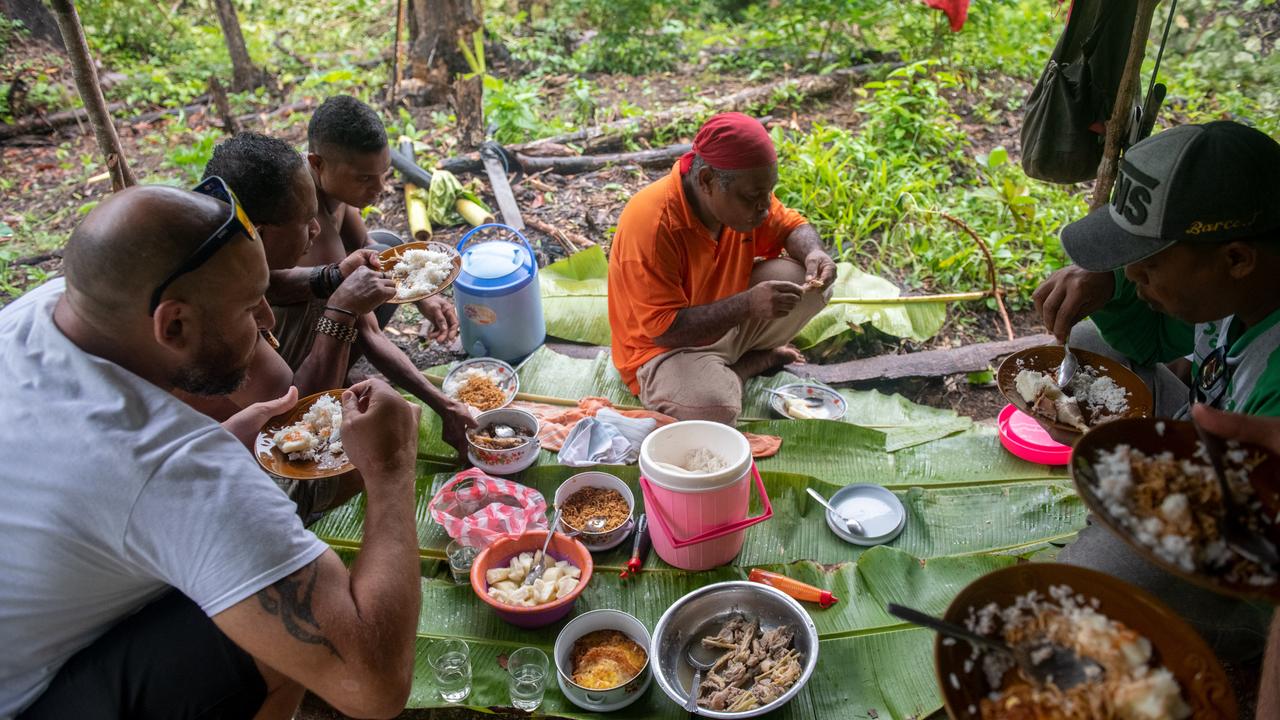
(1044, 662)
(1238, 537)
(540, 558)
(701, 659)
(1070, 365)
(854, 527)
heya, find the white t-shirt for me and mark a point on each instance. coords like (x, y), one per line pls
(112, 491)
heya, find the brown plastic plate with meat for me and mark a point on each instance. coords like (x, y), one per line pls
(1047, 358)
(277, 463)
(1176, 645)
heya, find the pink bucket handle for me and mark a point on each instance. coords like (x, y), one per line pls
(650, 501)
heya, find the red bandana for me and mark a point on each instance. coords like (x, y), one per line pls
(732, 141)
(957, 11)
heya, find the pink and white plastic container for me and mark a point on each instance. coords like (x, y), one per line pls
(698, 521)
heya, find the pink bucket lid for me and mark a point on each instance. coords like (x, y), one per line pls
(1023, 436)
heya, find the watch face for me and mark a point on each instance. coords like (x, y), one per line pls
(1215, 376)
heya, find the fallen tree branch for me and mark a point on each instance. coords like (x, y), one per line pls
(575, 164)
(808, 86)
(926, 364)
(49, 123)
(992, 277)
(571, 241)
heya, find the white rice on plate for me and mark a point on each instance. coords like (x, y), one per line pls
(420, 272)
(317, 436)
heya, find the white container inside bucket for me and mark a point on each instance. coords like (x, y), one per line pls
(698, 520)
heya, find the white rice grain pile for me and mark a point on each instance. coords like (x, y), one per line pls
(420, 272)
(702, 460)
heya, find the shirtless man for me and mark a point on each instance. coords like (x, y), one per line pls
(347, 162)
(155, 570)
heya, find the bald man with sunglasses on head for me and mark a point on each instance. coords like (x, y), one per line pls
(154, 570)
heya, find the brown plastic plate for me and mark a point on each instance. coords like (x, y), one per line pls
(1153, 437)
(277, 463)
(1047, 358)
(391, 256)
(1175, 644)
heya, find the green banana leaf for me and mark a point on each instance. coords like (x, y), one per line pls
(442, 198)
(963, 520)
(918, 322)
(868, 660)
(574, 302)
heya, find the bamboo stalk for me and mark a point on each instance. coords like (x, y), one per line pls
(912, 299)
(415, 207)
(473, 213)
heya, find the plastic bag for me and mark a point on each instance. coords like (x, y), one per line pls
(476, 509)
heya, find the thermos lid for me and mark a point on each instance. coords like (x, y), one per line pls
(495, 267)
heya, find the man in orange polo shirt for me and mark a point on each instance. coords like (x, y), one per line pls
(700, 298)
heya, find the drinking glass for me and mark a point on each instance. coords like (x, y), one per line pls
(527, 668)
(450, 662)
(460, 559)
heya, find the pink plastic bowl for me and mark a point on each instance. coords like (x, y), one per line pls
(500, 553)
(1022, 435)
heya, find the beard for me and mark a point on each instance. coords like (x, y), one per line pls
(219, 370)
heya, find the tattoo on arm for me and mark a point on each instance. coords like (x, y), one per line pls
(290, 599)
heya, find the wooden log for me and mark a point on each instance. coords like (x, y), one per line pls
(645, 125)
(86, 76)
(1122, 111)
(49, 123)
(571, 240)
(501, 188)
(926, 364)
(571, 165)
(229, 123)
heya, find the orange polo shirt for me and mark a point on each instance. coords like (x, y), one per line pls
(663, 260)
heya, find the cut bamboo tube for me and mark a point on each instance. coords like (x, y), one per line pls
(473, 213)
(415, 206)
(912, 299)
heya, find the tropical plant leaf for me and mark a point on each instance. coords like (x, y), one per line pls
(868, 660)
(574, 297)
(917, 321)
(575, 304)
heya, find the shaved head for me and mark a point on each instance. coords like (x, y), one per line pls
(201, 336)
(132, 240)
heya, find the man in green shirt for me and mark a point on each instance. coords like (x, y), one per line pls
(1178, 275)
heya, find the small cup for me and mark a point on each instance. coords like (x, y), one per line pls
(450, 662)
(527, 677)
(460, 559)
(471, 496)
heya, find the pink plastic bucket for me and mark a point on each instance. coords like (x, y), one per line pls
(698, 520)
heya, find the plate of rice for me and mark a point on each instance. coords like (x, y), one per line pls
(305, 443)
(1151, 483)
(420, 269)
(482, 383)
(1154, 666)
(1103, 389)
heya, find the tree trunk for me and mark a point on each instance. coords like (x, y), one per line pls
(91, 93)
(1122, 112)
(35, 17)
(435, 29)
(245, 76)
(468, 105)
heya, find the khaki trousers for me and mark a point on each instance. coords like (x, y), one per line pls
(699, 383)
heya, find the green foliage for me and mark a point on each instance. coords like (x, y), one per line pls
(189, 151)
(635, 37)
(876, 193)
(515, 107)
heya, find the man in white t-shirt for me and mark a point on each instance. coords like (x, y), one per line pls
(153, 570)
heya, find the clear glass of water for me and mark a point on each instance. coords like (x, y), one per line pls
(460, 559)
(450, 662)
(527, 681)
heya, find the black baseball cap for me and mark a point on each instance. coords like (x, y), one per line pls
(1193, 183)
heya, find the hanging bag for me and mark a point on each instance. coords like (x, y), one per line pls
(1063, 130)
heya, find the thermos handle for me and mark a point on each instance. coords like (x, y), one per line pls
(478, 228)
(660, 515)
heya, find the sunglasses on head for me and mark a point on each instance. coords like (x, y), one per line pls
(236, 223)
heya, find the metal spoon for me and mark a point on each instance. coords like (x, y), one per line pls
(539, 559)
(596, 524)
(701, 659)
(503, 431)
(1067, 370)
(1248, 545)
(855, 527)
(810, 401)
(1043, 662)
